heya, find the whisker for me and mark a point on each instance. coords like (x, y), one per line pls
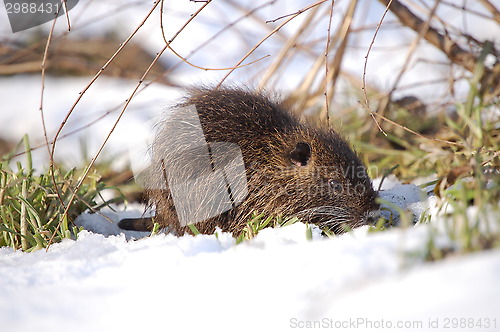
(335, 219)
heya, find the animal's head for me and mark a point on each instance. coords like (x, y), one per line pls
(320, 179)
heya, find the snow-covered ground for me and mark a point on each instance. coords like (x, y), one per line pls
(277, 281)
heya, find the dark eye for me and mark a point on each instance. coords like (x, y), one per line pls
(335, 185)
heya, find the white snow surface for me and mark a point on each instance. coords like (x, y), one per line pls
(278, 281)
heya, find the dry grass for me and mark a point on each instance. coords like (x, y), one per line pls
(387, 123)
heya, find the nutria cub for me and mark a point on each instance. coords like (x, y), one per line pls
(273, 164)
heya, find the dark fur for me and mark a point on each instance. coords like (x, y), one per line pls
(292, 169)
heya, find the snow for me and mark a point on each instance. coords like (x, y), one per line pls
(91, 120)
(277, 281)
(408, 197)
(105, 281)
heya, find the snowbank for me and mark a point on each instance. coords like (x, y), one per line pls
(278, 281)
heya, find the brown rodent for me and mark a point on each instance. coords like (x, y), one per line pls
(291, 168)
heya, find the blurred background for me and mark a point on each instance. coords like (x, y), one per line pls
(420, 64)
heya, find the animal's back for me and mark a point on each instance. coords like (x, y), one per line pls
(291, 168)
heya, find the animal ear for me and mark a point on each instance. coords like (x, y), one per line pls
(301, 154)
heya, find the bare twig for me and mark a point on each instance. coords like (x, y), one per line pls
(230, 25)
(470, 10)
(363, 87)
(443, 42)
(303, 92)
(411, 131)
(336, 65)
(286, 50)
(44, 126)
(36, 67)
(52, 152)
(127, 102)
(327, 48)
(492, 9)
(409, 56)
(67, 14)
(450, 48)
(185, 59)
(298, 12)
(96, 76)
(208, 69)
(267, 36)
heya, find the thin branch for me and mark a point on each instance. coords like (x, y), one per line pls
(96, 76)
(52, 152)
(363, 86)
(470, 10)
(287, 49)
(443, 42)
(492, 9)
(409, 56)
(184, 59)
(411, 131)
(298, 12)
(450, 48)
(342, 35)
(92, 162)
(266, 37)
(327, 48)
(67, 14)
(42, 114)
(127, 102)
(208, 69)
